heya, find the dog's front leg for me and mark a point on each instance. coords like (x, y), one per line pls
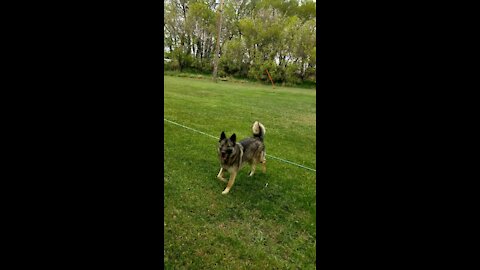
(220, 175)
(230, 182)
(252, 171)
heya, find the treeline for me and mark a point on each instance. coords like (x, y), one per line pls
(278, 35)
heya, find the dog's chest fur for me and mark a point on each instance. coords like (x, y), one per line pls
(233, 160)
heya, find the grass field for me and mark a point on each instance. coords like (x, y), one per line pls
(266, 221)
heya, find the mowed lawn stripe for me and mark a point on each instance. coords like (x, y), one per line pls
(287, 113)
(211, 136)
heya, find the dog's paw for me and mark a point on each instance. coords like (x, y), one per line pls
(225, 191)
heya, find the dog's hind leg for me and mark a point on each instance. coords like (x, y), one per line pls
(220, 175)
(233, 174)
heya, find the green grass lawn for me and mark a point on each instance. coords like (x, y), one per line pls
(266, 221)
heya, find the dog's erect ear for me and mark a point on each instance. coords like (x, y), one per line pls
(233, 138)
(222, 136)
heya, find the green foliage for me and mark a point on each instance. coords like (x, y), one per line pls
(232, 60)
(180, 59)
(293, 73)
(256, 34)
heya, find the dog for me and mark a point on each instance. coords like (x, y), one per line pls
(234, 155)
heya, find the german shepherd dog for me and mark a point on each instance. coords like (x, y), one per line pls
(234, 155)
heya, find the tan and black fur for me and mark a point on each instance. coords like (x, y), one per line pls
(234, 155)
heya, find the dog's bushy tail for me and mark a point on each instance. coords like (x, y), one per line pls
(258, 130)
